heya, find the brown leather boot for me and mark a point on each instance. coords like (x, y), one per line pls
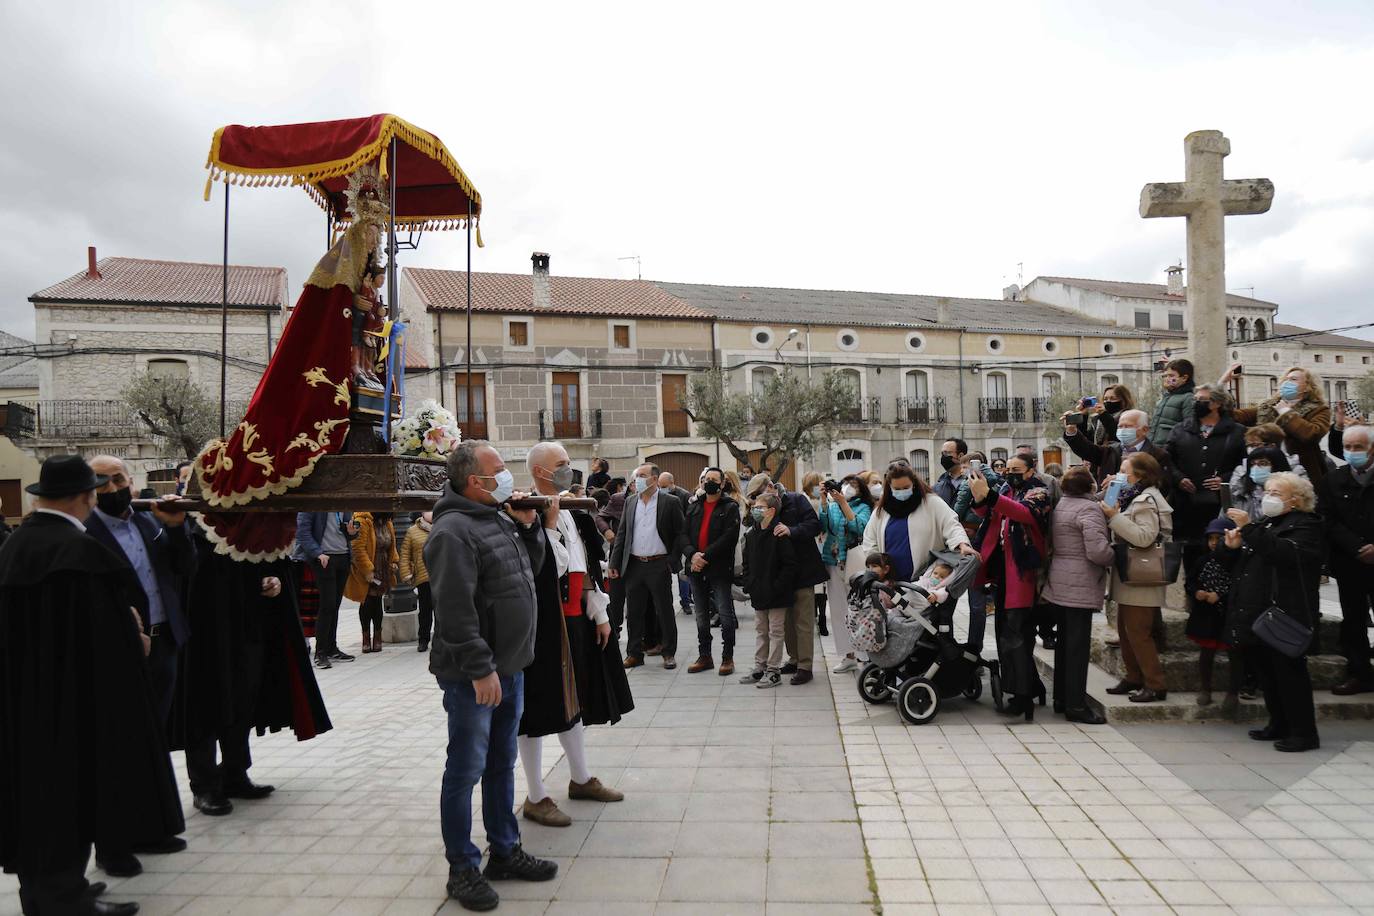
(376, 637)
(367, 641)
(703, 663)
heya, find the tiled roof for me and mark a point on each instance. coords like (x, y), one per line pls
(1317, 339)
(445, 290)
(1145, 291)
(842, 308)
(173, 282)
(17, 370)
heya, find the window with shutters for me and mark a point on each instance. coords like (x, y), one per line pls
(567, 417)
(476, 427)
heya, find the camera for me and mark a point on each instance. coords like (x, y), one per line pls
(1076, 419)
(1089, 401)
(832, 486)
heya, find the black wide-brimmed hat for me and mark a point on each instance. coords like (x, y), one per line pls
(65, 475)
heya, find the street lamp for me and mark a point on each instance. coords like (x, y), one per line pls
(777, 351)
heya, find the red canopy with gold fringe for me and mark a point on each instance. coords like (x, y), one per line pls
(432, 191)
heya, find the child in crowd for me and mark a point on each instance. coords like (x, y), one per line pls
(880, 564)
(1208, 583)
(769, 566)
(930, 581)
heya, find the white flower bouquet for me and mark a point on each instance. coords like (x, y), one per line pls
(429, 432)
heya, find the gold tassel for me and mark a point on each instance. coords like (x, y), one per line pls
(209, 181)
(479, 235)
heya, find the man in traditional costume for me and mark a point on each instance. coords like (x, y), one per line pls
(83, 758)
(299, 412)
(247, 667)
(568, 684)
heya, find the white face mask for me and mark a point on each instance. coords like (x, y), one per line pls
(876, 489)
(1273, 506)
(848, 491)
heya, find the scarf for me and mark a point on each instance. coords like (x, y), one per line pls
(1022, 538)
(897, 508)
(1125, 495)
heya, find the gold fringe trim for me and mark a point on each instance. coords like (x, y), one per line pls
(311, 175)
(253, 494)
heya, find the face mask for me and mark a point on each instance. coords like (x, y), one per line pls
(1272, 506)
(1259, 473)
(641, 484)
(505, 486)
(876, 490)
(903, 495)
(1201, 408)
(1289, 391)
(815, 492)
(1126, 435)
(710, 488)
(562, 477)
(116, 503)
(757, 514)
(1357, 460)
(947, 462)
(1112, 407)
(745, 477)
(848, 491)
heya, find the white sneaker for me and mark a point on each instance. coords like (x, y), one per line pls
(770, 679)
(848, 663)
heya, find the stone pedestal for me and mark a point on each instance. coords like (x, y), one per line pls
(404, 627)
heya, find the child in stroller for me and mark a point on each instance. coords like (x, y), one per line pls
(913, 652)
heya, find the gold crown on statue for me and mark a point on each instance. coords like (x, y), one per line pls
(367, 196)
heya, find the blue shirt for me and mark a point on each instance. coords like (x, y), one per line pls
(897, 544)
(136, 552)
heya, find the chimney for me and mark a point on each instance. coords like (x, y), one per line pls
(541, 280)
(1175, 280)
(942, 313)
(91, 270)
(1011, 293)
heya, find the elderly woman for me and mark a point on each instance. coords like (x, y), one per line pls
(1300, 411)
(1012, 543)
(1140, 517)
(1276, 561)
(1075, 588)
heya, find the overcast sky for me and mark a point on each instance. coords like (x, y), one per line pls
(915, 148)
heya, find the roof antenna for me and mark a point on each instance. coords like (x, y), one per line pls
(639, 273)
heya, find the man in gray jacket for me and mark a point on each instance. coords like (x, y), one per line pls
(482, 557)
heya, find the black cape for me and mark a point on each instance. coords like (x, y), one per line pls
(83, 757)
(603, 690)
(229, 617)
(550, 692)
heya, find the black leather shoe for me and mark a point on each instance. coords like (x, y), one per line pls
(1123, 687)
(520, 866)
(1049, 642)
(102, 908)
(803, 676)
(119, 864)
(1351, 687)
(96, 888)
(247, 789)
(1264, 734)
(163, 847)
(1084, 717)
(422, 647)
(212, 805)
(470, 888)
(789, 668)
(1146, 695)
(1296, 745)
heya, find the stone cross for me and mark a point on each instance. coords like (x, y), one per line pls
(1206, 200)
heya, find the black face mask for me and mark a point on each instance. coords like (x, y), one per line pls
(115, 503)
(1019, 483)
(711, 487)
(1201, 409)
(947, 462)
(1112, 407)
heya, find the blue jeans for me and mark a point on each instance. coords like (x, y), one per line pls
(481, 746)
(977, 618)
(704, 589)
(684, 592)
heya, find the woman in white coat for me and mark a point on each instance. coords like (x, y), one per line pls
(908, 524)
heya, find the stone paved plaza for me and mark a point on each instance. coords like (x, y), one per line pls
(798, 800)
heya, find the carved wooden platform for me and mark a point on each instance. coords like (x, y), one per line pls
(358, 483)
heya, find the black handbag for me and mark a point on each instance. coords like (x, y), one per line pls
(1279, 630)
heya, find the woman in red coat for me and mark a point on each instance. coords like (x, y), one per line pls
(1011, 540)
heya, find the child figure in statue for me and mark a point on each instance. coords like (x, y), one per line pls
(368, 317)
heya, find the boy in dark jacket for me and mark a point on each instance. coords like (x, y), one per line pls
(770, 565)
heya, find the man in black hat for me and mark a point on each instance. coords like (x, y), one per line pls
(83, 758)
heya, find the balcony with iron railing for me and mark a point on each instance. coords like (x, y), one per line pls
(1001, 410)
(576, 424)
(84, 419)
(921, 411)
(864, 412)
(1040, 409)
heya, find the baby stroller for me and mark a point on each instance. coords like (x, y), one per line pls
(911, 646)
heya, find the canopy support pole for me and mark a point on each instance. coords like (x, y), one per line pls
(392, 306)
(224, 320)
(467, 385)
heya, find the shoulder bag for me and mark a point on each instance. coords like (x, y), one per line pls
(1279, 630)
(1155, 565)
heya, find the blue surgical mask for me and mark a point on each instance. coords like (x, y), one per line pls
(1289, 391)
(758, 514)
(1357, 460)
(1259, 473)
(903, 495)
(1126, 435)
(641, 484)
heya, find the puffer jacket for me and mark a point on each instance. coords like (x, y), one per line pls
(413, 571)
(1082, 554)
(1303, 427)
(1172, 408)
(481, 570)
(838, 529)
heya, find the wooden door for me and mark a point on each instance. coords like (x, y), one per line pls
(675, 423)
(567, 409)
(476, 427)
